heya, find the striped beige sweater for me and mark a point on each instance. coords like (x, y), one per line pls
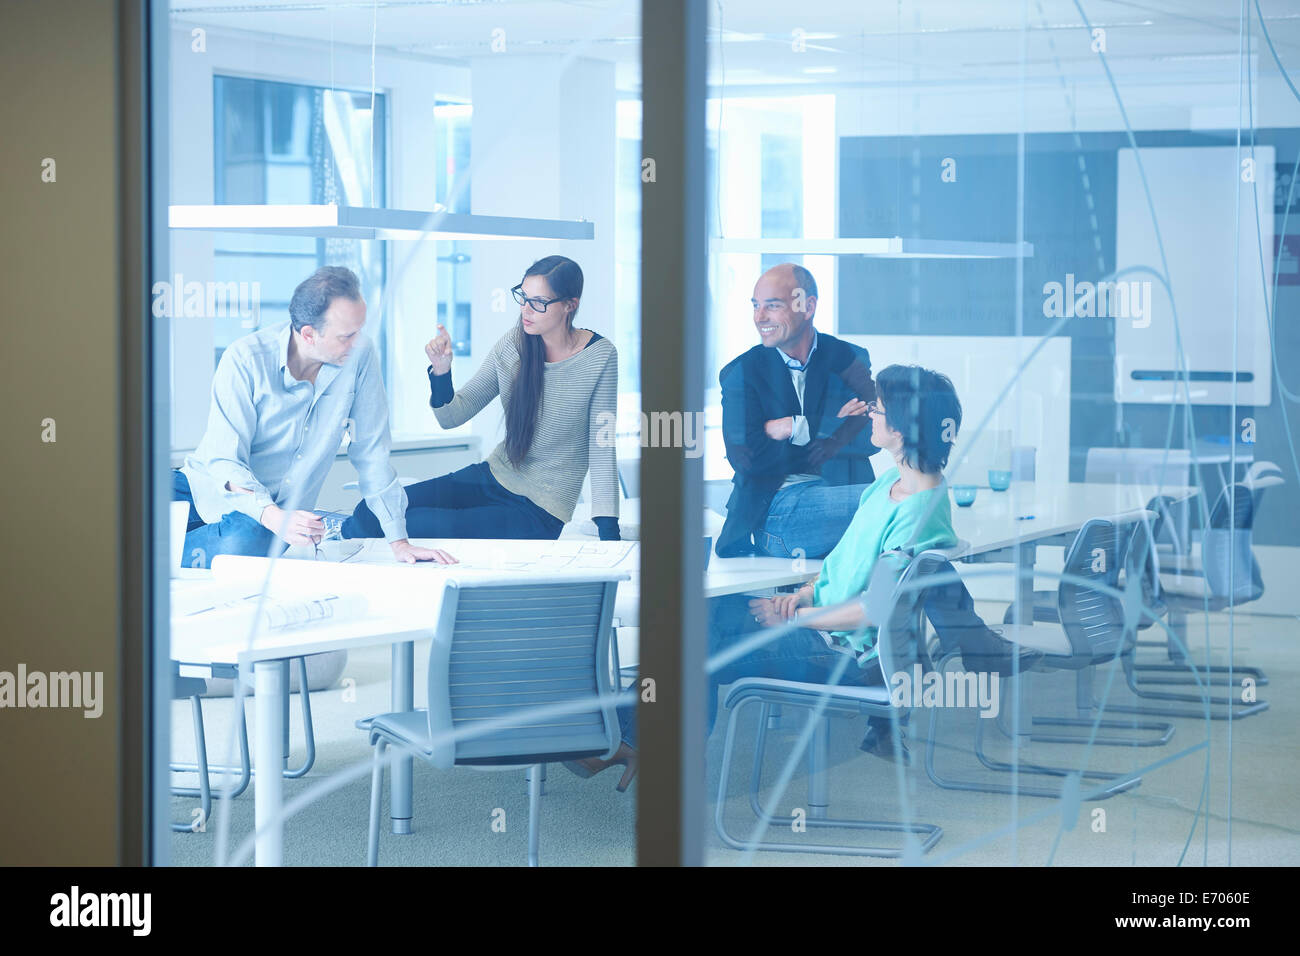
(574, 426)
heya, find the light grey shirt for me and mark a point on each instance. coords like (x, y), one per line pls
(278, 436)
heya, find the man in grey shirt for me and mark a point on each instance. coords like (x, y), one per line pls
(282, 399)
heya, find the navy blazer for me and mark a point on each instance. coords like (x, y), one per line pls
(756, 388)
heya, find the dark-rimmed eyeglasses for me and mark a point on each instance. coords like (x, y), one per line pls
(873, 408)
(537, 305)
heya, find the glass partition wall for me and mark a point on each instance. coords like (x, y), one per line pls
(1042, 246)
(965, 340)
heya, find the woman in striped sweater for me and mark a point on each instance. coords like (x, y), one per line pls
(559, 388)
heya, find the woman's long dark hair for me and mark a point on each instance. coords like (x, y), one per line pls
(564, 276)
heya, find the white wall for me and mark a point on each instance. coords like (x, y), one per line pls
(543, 146)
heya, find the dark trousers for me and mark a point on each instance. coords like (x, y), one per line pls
(797, 655)
(469, 503)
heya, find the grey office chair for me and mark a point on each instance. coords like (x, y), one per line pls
(1139, 555)
(1090, 631)
(1142, 563)
(193, 689)
(1093, 628)
(1223, 576)
(501, 650)
(891, 598)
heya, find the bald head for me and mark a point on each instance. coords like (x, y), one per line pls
(785, 301)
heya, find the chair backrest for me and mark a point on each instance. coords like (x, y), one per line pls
(1261, 475)
(504, 648)
(1234, 508)
(948, 605)
(1094, 621)
(893, 605)
(1141, 563)
(1172, 522)
(1227, 560)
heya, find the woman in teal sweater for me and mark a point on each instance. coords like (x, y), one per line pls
(915, 418)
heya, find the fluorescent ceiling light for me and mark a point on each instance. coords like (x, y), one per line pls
(364, 222)
(894, 247)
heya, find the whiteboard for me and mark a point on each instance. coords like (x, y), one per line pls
(1205, 207)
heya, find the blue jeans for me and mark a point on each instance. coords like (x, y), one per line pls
(811, 516)
(797, 655)
(235, 533)
(469, 503)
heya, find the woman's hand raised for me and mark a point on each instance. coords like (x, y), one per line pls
(439, 352)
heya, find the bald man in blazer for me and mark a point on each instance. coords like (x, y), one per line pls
(795, 427)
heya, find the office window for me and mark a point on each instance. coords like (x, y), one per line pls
(782, 208)
(768, 162)
(452, 125)
(279, 142)
(627, 265)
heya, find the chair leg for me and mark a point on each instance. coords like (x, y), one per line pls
(1220, 708)
(1043, 769)
(376, 795)
(1255, 673)
(528, 776)
(773, 716)
(1163, 730)
(1119, 784)
(1180, 666)
(204, 791)
(308, 731)
(765, 717)
(818, 761)
(245, 767)
(536, 774)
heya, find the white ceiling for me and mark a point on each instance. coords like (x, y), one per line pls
(863, 43)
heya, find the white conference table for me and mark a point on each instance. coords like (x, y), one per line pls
(201, 652)
(1009, 526)
(493, 556)
(999, 527)
(1004, 527)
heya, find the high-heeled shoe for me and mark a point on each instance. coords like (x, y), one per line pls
(625, 757)
(879, 740)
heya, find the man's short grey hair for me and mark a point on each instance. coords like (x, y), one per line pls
(311, 300)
